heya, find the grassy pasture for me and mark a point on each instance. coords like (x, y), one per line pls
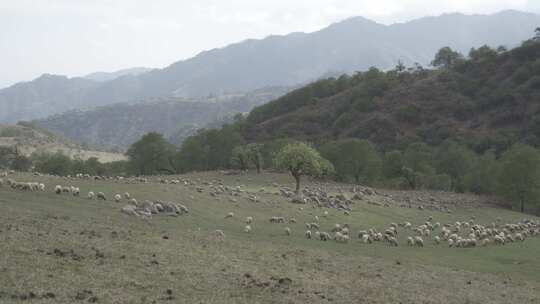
(61, 249)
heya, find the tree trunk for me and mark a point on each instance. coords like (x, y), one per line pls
(297, 178)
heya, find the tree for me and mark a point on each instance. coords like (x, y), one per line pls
(151, 154)
(537, 34)
(483, 52)
(355, 158)
(58, 163)
(456, 161)
(254, 155)
(417, 163)
(482, 176)
(240, 157)
(393, 164)
(519, 176)
(446, 58)
(300, 159)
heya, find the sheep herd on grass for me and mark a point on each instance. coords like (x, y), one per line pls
(23, 186)
(458, 234)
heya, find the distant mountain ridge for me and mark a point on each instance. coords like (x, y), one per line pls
(106, 76)
(348, 46)
(116, 126)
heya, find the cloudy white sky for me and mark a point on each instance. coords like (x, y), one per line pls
(76, 37)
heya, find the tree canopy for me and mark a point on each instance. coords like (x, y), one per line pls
(300, 159)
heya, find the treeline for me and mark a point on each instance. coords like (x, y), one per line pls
(60, 164)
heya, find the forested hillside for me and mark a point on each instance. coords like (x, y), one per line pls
(117, 126)
(489, 101)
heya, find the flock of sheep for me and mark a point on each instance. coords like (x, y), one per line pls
(460, 234)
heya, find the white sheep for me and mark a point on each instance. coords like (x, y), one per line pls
(127, 195)
(418, 241)
(58, 189)
(410, 241)
(230, 215)
(287, 231)
(249, 220)
(117, 198)
(308, 234)
(247, 229)
(41, 187)
(76, 191)
(437, 240)
(90, 195)
(101, 195)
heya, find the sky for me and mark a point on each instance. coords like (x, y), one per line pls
(77, 37)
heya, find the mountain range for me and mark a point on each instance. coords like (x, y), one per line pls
(344, 47)
(115, 127)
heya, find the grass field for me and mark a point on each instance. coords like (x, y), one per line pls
(62, 249)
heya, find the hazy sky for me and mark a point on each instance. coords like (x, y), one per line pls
(76, 37)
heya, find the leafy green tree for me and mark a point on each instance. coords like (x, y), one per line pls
(300, 160)
(58, 163)
(481, 178)
(446, 58)
(417, 163)
(393, 164)
(240, 157)
(21, 163)
(519, 178)
(483, 52)
(151, 154)
(455, 160)
(355, 158)
(254, 155)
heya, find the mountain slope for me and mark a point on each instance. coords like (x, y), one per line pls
(106, 76)
(25, 139)
(488, 102)
(119, 125)
(348, 46)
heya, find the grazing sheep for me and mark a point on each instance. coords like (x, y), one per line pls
(316, 218)
(40, 186)
(58, 189)
(324, 236)
(247, 229)
(437, 240)
(410, 241)
(133, 201)
(76, 191)
(249, 220)
(117, 198)
(418, 241)
(66, 189)
(451, 242)
(127, 195)
(485, 242)
(392, 241)
(287, 231)
(230, 215)
(292, 220)
(312, 226)
(129, 210)
(366, 239)
(325, 214)
(101, 196)
(91, 195)
(308, 234)
(337, 227)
